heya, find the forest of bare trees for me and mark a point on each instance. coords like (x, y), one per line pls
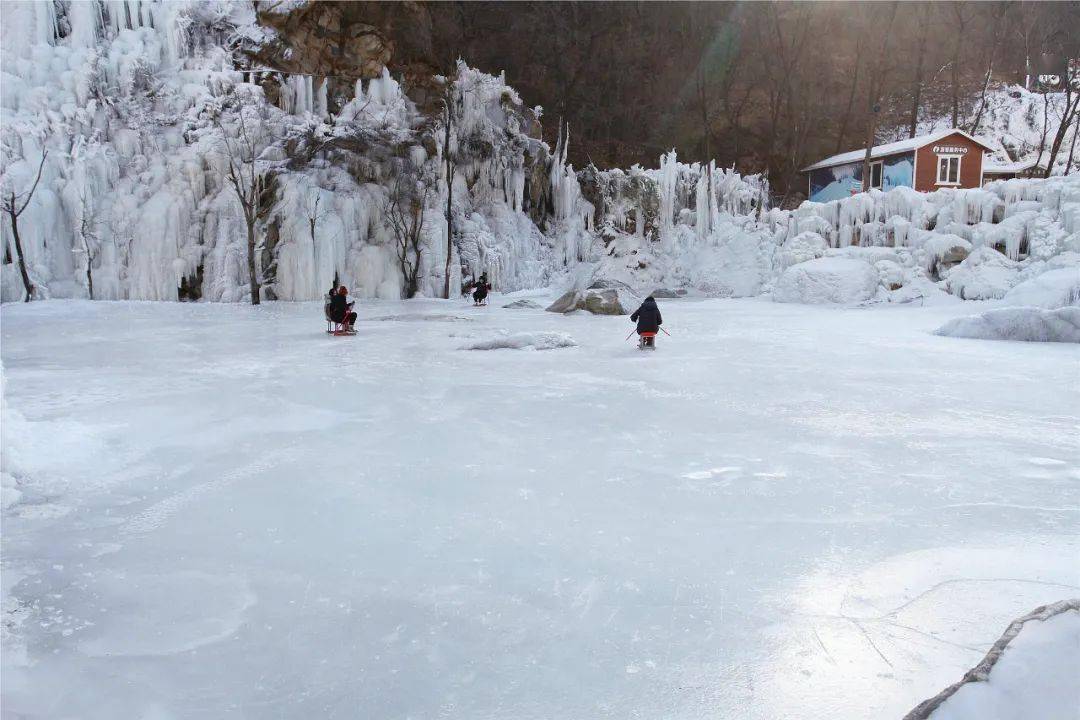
(769, 85)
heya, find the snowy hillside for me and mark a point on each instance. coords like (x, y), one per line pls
(1017, 122)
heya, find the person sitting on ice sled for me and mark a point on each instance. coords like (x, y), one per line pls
(648, 321)
(341, 310)
(480, 293)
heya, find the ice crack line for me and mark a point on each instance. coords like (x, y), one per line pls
(155, 515)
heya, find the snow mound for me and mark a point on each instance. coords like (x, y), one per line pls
(524, 304)
(985, 274)
(13, 424)
(525, 340)
(431, 317)
(827, 280)
(1051, 290)
(1030, 672)
(803, 247)
(1021, 323)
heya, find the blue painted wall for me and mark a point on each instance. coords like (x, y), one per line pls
(841, 181)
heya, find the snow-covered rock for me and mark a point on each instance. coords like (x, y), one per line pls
(599, 301)
(522, 341)
(827, 280)
(940, 252)
(1050, 290)
(1028, 324)
(985, 274)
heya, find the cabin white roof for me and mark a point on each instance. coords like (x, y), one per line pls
(895, 148)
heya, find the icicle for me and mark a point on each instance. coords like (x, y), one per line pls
(668, 177)
(45, 23)
(320, 100)
(85, 19)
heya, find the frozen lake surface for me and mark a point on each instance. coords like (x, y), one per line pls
(785, 511)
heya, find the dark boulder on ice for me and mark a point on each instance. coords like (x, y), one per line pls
(599, 301)
(567, 302)
(663, 293)
(612, 301)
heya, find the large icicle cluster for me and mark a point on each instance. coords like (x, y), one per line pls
(972, 243)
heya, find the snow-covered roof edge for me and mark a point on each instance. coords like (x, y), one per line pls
(894, 148)
(1004, 168)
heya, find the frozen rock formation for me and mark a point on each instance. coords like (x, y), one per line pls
(1028, 324)
(827, 280)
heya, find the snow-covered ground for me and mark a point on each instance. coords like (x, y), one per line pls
(786, 511)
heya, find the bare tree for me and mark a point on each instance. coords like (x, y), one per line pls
(960, 19)
(451, 167)
(313, 214)
(13, 204)
(405, 211)
(244, 171)
(846, 117)
(878, 81)
(89, 234)
(917, 85)
(999, 24)
(1072, 147)
(1069, 113)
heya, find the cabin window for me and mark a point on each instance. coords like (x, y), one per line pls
(948, 170)
(875, 174)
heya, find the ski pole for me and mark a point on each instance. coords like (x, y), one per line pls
(666, 332)
(628, 336)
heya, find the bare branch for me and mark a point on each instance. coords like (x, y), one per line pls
(30, 193)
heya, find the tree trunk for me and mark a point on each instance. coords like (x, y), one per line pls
(842, 135)
(1072, 147)
(703, 98)
(956, 90)
(449, 202)
(871, 130)
(29, 286)
(90, 273)
(916, 90)
(1067, 118)
(253, 278)
(916, 93)
(998, 20)
(1046, 116)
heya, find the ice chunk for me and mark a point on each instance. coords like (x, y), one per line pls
(827, 280)
(1050, 290)
(524, 340)
(985, 274)
(1020, 323)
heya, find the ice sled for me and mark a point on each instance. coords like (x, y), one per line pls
(646, 341)
(335, 328)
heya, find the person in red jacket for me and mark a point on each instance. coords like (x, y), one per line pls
(341, 309)
(648, 321)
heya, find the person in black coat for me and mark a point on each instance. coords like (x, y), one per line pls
(341, 308)
(647, 318)
(481, 291)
